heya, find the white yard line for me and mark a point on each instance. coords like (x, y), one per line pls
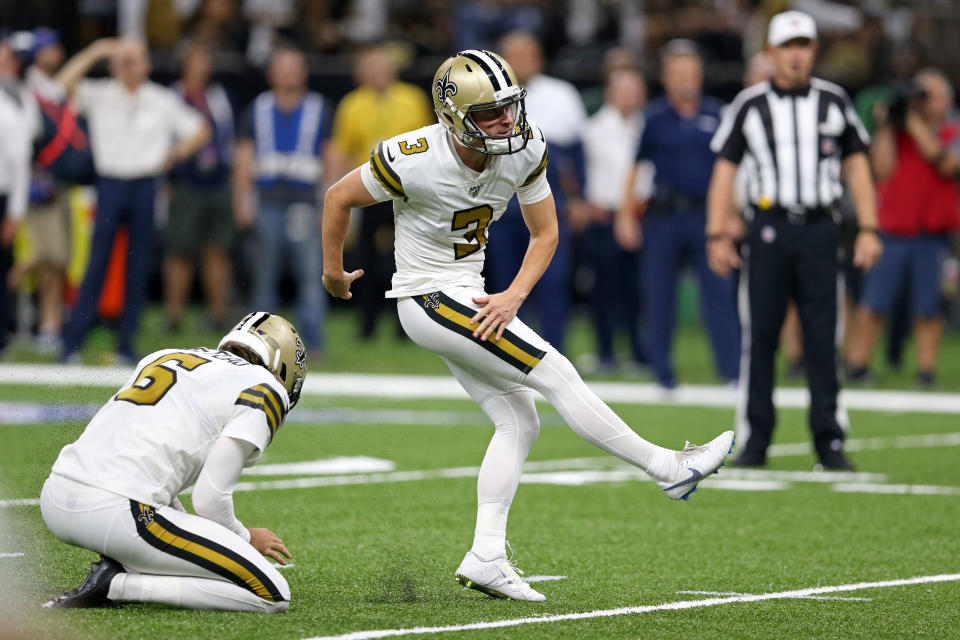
(543, 578)
(666, 606)
(590, 470)
(413, 476)
(582, 478)
(899, 489)
(923, 441)
(20, 502)
(408, 387)
(737, 593)
(15, 554)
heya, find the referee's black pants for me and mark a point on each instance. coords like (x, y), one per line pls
(783, 261)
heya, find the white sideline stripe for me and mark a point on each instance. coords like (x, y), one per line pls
(898, 489)
(666, 606)
(737, 593)
(11, 555)
(408, 387)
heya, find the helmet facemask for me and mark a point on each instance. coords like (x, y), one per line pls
(475, 138)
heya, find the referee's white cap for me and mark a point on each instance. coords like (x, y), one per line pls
(790, 25)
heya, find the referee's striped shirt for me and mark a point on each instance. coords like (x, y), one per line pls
(792, 142)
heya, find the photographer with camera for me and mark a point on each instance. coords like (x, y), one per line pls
(916, 159)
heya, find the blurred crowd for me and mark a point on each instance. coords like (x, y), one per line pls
(184, 138)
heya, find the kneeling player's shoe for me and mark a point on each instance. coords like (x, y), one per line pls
(498, 578)
(93, 592)
(695, 463)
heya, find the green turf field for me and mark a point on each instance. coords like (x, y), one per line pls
(377, 551)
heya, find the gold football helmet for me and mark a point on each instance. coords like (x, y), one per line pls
(477, 80)
(278, 345)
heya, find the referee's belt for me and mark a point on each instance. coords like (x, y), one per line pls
(798, 215)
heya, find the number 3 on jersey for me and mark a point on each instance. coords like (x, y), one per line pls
(155, 379)
(476, 236)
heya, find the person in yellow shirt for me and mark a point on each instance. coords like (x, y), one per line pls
(379, 108)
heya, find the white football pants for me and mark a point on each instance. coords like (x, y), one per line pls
(498, 375)
(171, 557)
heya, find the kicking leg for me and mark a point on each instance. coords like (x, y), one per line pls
(676, 472)
(591, 419)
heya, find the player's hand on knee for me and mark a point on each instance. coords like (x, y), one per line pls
(498, 310)
(339, 285)
(267, 543)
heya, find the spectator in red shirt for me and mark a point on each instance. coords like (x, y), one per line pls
(916, 165)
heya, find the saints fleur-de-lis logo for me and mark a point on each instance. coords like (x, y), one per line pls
(301, 355)
(146, 516)
(445, 87)
(432, 300)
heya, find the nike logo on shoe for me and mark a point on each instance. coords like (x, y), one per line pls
(695, 476)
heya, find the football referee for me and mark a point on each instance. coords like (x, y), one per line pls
(798, 134)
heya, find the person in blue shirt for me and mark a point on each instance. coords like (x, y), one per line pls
(280, 153)
(676, 145)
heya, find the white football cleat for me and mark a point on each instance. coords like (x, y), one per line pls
(695, 463)
(498, 578)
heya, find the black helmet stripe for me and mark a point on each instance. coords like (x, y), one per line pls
(253, 320)
(472, 54)
(506, 76)
(259, 322)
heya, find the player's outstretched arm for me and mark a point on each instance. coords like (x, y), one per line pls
(499, 309)
(348, 193)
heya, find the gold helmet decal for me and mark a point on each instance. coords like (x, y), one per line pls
(444, 87)
(477, 80)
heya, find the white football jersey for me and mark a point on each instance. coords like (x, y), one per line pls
(150, 440)
(442, 209)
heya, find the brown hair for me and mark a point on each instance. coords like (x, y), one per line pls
(241, 351)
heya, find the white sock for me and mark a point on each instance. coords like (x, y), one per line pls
(189, 593)
(490, 536)
(593, 420)
(514, 417)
